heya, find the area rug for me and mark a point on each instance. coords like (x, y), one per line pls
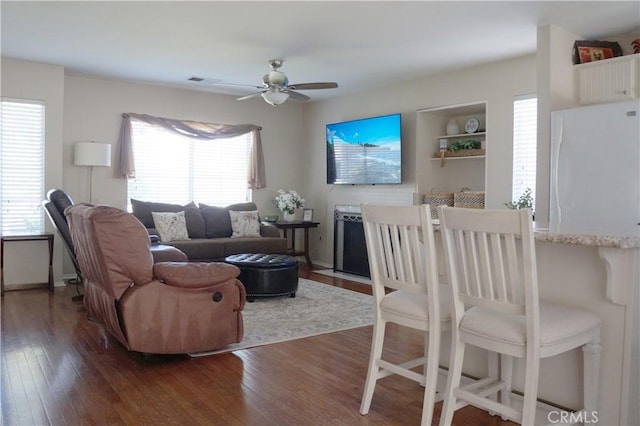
(344, 275)
(317, 309)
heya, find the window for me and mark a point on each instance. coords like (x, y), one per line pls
(178, 169)
(21, 166)
(525, 133)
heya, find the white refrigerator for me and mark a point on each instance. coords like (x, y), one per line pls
(595, 170)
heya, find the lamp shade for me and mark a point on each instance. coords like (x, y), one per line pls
(275, 97)
(92, 154)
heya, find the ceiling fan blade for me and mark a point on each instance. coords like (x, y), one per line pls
(311, 86)
(255, 86)
(253, 95)
(295, 96)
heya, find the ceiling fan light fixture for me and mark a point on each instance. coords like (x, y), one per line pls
(275, 97)
(276, 78)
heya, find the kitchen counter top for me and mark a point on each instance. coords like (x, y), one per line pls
(543, 234)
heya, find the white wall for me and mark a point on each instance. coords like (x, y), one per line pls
(43, 82)
(93, 111)
(293, 142)
(497, 83)
(85, 109)
(293, 134)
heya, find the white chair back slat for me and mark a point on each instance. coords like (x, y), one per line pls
(399, 251)
(487, 279)
(474, 266)
(395, 251)
(516, 290)
(384, 236)
(463, 263)
(487, 251)
(502, 291)
(409, 236)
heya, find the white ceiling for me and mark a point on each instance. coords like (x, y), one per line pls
(358, 44)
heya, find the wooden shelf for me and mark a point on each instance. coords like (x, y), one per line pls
(462, 135)
(467, 153)
(469, 157)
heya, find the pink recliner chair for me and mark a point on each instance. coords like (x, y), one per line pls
(162, 308)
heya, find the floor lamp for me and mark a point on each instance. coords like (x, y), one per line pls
(92, 154)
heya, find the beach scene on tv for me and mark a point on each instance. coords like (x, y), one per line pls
(366, 151)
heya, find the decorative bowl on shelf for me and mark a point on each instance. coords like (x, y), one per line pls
(271, 218)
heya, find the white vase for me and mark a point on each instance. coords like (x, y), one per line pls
(453, 128)
(289, 217)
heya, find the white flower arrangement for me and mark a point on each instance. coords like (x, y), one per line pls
(288, 202)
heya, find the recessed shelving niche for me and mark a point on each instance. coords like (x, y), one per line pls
(451, 162)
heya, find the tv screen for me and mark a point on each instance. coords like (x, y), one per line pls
(365, 151)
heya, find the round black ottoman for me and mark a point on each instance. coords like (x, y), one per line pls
(266, 274)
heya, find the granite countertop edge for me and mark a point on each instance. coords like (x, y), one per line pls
(587, 240)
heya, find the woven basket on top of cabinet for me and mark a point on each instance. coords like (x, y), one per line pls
(435, 199)
(469, 199)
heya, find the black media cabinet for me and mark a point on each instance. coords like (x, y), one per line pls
(349, 245)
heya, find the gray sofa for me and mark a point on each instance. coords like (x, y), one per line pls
(210, 231)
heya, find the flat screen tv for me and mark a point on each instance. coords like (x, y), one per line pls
(367, 151)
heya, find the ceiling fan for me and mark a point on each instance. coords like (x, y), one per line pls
(276, 87)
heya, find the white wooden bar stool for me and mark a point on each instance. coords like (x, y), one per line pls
(491, 264)
(400, 261)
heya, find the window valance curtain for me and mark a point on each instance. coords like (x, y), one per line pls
(125, 167)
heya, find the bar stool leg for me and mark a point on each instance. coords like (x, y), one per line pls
(591, 360)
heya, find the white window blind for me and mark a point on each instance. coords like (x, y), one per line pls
(525, 136)
(176, 169)
(21, 166)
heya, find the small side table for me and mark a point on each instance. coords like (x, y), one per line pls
(37, 237)
(285, 226)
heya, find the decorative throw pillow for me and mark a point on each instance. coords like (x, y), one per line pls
(170, 226)
(216, 220)
(244, 224)
(142, 210)
(195, 222)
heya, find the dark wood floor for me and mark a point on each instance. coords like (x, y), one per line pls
(59, 368)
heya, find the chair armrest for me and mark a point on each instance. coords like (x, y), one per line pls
(166, 253)
(269, 231)
(195, 274)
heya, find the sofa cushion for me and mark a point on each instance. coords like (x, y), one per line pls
(264, 245)
(244, 223)
(195, 223)
(202, 249)
(170, 226)
(216, 220)
(269, 231)
(242, 207)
